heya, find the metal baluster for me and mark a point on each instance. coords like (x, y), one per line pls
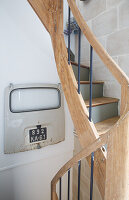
(79, 56)
(69, 35)
(90, 118)
(79, 176)
(60, 184)
(91, 68)
(92, 178)
(69, 184)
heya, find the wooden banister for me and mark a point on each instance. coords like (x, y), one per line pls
(50, 13)
(124, 99)
(82, 154)
(117, 169)
(114, 68)
(53, 192)
(117, 179)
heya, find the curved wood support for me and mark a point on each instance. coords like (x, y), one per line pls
(121, 77)
(124, 99)
(53, 192)
(113, 67)
(82, 154)
(42, 9)
(85, 129)
(117, 170)
(50, 13)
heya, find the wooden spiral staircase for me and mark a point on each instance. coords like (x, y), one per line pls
(111, 170)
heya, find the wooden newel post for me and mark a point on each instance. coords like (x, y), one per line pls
(53, 192)
(124, 99)
(117, 170)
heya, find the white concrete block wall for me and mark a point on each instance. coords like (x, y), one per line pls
(111, 3)
(89, 9)
(124, 14)
(26, 56)
(109, 21)
(118, 42)
(102, 25)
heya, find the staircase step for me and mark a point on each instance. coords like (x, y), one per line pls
(104, 126)
(84, 72)
(101, 101)
(97, 89)
(103, 108)
(76, 64)
(94, 82)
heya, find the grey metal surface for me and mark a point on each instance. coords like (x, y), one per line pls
(17, 125)
(84, 73)
(97, 90)
(103, 112)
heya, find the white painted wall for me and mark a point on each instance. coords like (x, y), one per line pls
(26, 56)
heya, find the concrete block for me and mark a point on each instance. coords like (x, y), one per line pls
(112, 89)
(105, 23)
(101, 72)
(111, 3)
(118, 42)
(90, 9)
(85, 49)
(102, 40)
(85, 53)
(124, 14)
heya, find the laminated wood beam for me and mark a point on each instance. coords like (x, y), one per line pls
(117, 171)
(51, 15)
(114, 68)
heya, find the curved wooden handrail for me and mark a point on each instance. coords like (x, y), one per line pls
(82, 154)
(114, 68)
(108, 138)
(101, 141)
(50, 13)
(117, 164)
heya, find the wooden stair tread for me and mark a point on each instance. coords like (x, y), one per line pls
(94, 82)
(76, 64)
(104, 126)
(101, 101)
